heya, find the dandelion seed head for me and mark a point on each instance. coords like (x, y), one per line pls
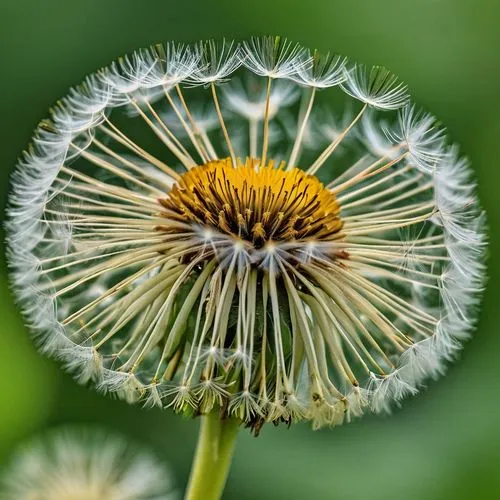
(263, 253)
(84, 464)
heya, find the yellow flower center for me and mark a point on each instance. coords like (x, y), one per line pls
(254, 203)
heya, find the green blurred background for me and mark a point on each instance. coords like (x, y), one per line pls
(444, 443)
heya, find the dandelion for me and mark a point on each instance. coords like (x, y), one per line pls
(80, 464)
(211, 264)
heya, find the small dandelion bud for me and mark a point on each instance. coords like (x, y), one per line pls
(80, 464)
(192, 228)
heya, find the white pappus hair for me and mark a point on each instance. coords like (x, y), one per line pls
(194, 227)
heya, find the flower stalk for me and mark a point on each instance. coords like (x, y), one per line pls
(213, 456)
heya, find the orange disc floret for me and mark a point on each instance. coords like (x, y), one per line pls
(253, 202)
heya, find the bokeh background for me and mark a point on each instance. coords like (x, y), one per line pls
(444, 443)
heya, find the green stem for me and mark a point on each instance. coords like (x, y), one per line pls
(213, 457)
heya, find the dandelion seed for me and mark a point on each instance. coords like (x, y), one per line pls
(376, 87)
(76, 464)
(198, 271)
(274, 57)
(217, 62)
(321, 71)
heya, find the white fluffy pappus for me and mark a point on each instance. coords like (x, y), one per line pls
(84, 464)
(200, 227)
